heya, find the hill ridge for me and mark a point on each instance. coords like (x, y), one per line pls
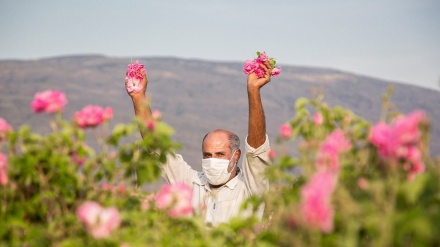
(198, 95)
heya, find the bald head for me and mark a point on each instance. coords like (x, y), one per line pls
(233, 139)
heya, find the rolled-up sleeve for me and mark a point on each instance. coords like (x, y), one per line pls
(255, 166)
(176, 169)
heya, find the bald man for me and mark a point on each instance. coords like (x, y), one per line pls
(221, 187)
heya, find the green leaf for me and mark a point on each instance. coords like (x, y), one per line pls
(412, 189)
(164, 129)
(301, 103)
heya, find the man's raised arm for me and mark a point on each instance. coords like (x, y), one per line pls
(257, 121)
(140, 101)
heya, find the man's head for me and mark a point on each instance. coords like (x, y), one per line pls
(222, 144)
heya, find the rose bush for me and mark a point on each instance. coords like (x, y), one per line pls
(350, 183)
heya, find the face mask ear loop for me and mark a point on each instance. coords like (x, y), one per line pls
(232, 159)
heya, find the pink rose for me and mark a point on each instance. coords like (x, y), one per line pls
(98, 221)
(363, 183)
(316, 201)
(134, 77)
(276, 71)
(91, 116)
(259, 70)
(401, 141)
(333, 145)
(414, 157)
(407, 127)
(381, 135)
(318, 119)
(107, 114)
(150, 125)
(4, 128)
(176, 199)
(156, 115)
(285, 130)
(262, 57)
(49, 101)
(249, 67)
(272, 154)
(3, 170)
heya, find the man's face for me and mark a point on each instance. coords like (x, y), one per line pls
(216, 145)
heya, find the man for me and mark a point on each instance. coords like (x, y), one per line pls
(221, 188)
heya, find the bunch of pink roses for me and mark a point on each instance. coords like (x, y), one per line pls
(49, 101)
(176, 198)
(92, 116)
(134, 77)
(400, 141)
(254, 66)
(98, 221)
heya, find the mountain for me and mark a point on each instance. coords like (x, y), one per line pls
(196, 96)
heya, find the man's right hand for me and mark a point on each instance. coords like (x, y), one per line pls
(143, 86)
(140, 102)
(255, 83)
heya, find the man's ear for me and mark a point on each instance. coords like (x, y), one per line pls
(237, 155)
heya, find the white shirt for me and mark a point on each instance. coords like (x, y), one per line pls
(219, 205)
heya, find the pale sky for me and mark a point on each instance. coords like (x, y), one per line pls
(395, 40)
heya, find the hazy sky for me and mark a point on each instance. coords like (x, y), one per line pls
(397, 40)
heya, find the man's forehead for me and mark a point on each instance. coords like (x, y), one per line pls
(217, 141)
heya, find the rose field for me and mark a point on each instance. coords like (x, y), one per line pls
(352, 182)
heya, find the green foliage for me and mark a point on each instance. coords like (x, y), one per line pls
(51, 175)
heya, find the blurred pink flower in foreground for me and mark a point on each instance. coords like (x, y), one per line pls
(133, 77)
(98, 221)
(362, 183)
(3, 170)
(148, 201)
(91, 116)
(272, 154)
(4, 128)
(285, 130)
(318, 119)
(176, 199)
(401, 141)
(316, 201)
(120, 188)
(107, 114)
(333, 145)
(49, 101)
(254, 66)
(156, 114)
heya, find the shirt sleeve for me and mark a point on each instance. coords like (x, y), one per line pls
(176, 169)
(254, 167)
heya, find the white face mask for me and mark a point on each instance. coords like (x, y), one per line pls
(216, 170)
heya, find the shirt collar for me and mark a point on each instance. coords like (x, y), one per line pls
(233, 182)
